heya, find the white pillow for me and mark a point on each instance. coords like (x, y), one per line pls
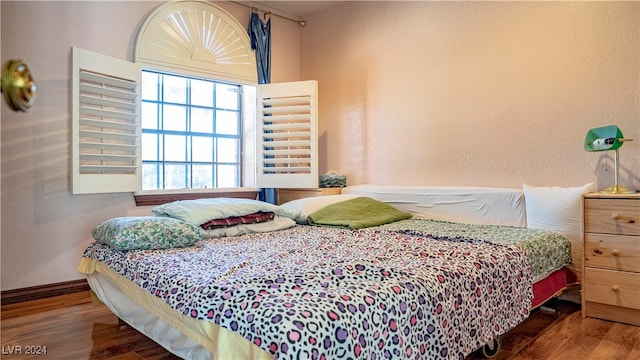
(556, 208)
(199, 211)
(306, 206)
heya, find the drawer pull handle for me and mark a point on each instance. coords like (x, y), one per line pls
(615, 288)
(615, 252)
(618, 217)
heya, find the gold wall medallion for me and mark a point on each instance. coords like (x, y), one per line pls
(18, 87)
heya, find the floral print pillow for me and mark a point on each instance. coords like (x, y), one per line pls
(146, 233)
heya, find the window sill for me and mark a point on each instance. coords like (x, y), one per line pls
(159, 197)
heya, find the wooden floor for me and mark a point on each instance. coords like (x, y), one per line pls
(72, 327)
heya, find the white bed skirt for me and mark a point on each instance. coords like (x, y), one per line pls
(145, 322)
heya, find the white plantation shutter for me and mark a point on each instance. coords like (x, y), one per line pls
(287, 142)
(105, 122)
(106, 129)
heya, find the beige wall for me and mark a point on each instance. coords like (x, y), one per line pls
(450, 93)
(475, 93)
(44, 228)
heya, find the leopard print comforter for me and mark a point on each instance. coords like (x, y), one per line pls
(326, 293)
(547, 251)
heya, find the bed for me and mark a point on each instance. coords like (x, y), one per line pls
(398, 287)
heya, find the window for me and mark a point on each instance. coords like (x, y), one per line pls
(183, 131)
(191, 132)
(277, 140)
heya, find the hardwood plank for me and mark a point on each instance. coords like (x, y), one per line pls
(40, 305)
(580, 337)
(618, 342)
(72, 327)
(634, 355)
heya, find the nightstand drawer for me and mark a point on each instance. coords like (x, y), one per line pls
(612, 216)
(612, 287)
(615, 252)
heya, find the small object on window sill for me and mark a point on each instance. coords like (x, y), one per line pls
(333, 180)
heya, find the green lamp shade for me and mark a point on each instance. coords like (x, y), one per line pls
(603, 138)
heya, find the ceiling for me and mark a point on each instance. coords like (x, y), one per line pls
(300, 8)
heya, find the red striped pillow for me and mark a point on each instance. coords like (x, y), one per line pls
(254, 218)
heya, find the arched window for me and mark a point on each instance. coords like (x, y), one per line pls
(196, 38)
(183, 115)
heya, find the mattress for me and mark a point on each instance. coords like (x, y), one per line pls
(352, 271)
(474, 205)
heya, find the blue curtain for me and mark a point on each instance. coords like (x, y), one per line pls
(260, 35)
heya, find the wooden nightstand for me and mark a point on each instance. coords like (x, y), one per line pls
(285, 195)
(611, 269)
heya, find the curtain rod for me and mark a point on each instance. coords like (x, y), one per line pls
(256, 9)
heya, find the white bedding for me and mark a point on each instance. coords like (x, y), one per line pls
(472, 205)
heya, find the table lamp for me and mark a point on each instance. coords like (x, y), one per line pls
(608, 138)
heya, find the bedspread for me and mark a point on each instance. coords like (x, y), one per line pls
(326, 293)
(547, 251)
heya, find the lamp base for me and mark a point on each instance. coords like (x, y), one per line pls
(618, 189)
